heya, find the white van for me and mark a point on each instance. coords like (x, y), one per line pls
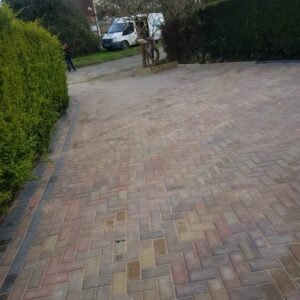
(125, 31)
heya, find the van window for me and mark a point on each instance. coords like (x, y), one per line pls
(116, 27)
(129, 28)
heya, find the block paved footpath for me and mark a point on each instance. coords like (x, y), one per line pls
(182, 185)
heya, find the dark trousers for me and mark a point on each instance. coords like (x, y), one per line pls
(70, 64)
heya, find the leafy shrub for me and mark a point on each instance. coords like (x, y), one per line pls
(239, 30)
(33, 93)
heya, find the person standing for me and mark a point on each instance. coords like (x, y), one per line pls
(68, 58)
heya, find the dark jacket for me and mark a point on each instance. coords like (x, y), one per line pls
(67, 52)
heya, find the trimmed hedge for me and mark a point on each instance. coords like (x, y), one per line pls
(237, 30)
(33, 94)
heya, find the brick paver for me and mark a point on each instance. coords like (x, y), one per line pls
(183, 185)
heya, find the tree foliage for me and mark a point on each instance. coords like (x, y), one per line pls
(61, 18)
(116, 8)
(170, 8)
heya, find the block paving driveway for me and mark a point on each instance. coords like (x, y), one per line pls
(182, 185)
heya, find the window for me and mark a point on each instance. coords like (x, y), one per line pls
(129, 28)
(116, 27)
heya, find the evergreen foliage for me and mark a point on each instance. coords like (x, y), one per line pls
(33, 94)
(236, 30)
(62, 19)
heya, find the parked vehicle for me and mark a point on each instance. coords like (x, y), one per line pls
(125, 31)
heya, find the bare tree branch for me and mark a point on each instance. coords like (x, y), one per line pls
(170, 8)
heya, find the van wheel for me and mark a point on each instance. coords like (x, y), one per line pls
(124, 45)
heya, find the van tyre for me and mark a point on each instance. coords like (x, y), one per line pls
(124, 45)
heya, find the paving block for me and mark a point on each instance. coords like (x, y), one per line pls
(191, 260)
(156, 271)
(214, 261)
(295, 249)
(255, 278)
(168, 259)
(239, 263)
(141, 286)
(204, 274)
(147, 258)
(133, 270)
(291, 266)
(150, 295)
(202, 248)
(217, 290)
(191, 289)
(284, 283)
(270, 292)
(159, 247)
(179, 273)
(248, 250)
(119, 284)
(229, 277)
(246, 293)
(165, 287)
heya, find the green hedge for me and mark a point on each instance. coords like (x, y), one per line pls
(238, 30)
(33, 94)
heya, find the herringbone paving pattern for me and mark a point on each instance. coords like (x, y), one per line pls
(183, 185)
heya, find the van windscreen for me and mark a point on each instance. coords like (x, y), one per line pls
(116, 27)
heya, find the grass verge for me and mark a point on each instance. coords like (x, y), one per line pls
(104, 55)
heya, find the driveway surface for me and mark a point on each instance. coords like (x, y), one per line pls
(181, 185)
(116, 69)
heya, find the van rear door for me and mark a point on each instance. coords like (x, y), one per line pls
(155, 21)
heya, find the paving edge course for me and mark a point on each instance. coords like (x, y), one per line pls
(31, 201)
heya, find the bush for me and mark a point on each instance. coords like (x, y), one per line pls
(33, 93)
(239, 30)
